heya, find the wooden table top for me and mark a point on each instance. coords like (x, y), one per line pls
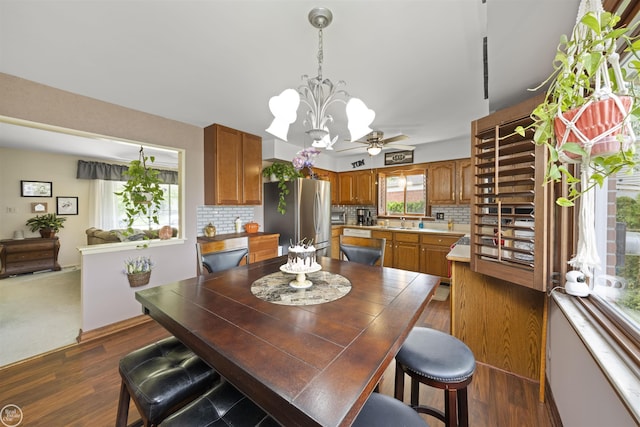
(304, 365)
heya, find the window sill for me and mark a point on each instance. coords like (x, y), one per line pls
(622, 373)
(125, 246)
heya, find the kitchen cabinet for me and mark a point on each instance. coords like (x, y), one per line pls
(357, 188)
(28, 255)
(263, 246)
(335, 241)
(332, 177)
(232, 167)
(406, 251)
(433, 254)
(450, 182)
(388, 249)
(511, 209)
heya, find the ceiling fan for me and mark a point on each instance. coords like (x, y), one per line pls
(376, 143)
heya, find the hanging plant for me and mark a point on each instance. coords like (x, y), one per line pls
(588, 116)
(142, 195)
(283, 172)
(590, 107)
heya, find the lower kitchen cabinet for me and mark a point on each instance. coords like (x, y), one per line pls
(433, 254)
(263, 247)
(406, 251)
(388, 249)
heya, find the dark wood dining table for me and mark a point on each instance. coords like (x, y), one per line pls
(310, 365)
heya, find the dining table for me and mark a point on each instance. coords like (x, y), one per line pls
(308, 356)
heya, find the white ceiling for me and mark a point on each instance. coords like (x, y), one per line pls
(418, 64)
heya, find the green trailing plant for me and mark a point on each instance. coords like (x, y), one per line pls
(47, 224)
(283, 173)
(142, 195)
(573, 83)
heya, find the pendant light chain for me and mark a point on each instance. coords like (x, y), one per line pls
(320, 54)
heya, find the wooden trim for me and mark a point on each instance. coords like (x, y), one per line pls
(550, 404)
(112, 328)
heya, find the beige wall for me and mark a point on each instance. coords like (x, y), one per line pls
(106, 296)
(17, 165)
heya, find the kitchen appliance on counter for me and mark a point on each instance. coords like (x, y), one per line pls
(338, 217)
(361, 215)
(308, 213)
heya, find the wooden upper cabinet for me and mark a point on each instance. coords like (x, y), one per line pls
(357, 188)
(450, 182)
(332, 177)
(232, 167)
(442, 181)
(464, 180)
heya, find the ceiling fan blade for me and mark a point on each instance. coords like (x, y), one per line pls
(394, 138)
(349, 149)
(399, 147)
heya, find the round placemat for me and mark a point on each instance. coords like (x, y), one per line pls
(326, 287)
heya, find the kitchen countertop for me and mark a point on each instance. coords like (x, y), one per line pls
(460, 253)
(458, 230)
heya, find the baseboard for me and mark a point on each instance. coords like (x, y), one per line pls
(112, 328)
(550, 403)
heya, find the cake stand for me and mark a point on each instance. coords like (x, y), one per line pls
(301, 281)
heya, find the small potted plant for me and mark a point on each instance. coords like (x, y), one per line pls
(47, 224)
(138, 270)
(587, 80)
(282, 172)
(142, 194)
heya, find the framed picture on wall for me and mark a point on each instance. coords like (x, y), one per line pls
(67, 205)
(39, 207)
(36, 189)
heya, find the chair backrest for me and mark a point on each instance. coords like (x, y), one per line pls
(222, 254)
(363, 250)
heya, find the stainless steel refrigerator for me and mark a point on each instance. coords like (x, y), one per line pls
(308, 213)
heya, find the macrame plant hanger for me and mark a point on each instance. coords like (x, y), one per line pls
(586, 258)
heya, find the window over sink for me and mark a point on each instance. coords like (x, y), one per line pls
(402, 193)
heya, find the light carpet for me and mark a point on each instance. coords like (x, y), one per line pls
(38, 313)
(442, 293)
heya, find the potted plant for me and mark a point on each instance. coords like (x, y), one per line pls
(282, 172)
(47, 224)
(142, 194)
(581, 87)
(588, 117)
(138, 270)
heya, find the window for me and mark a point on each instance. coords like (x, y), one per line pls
(617, 283)
(402, 193)
(168, 214)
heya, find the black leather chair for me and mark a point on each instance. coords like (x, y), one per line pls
(225, 405)
(363, 250)
(222, 255)
(161, 378)
(439, 360)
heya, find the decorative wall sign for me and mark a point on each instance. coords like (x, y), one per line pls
(357, 164)
(399, 157)
(36, 189)
(67, 205)
(38, 208)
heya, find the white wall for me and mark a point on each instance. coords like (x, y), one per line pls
(583, 395)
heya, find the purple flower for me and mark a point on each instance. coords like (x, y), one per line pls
(305, 158)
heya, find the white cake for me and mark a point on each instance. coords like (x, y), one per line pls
(301, 258)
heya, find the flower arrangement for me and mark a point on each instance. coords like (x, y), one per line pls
(305, 159)
(141, 264)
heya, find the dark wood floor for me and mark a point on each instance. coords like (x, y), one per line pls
(79, 385)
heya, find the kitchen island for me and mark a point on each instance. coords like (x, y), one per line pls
(503, 323)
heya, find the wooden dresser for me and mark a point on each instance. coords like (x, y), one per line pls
(28, 255)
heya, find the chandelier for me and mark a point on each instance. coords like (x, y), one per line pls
(318, 94)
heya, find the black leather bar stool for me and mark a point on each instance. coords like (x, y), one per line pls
(225, 405)
(439, 360)
(160, 379)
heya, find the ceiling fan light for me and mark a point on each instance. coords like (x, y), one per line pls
(374, 150)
